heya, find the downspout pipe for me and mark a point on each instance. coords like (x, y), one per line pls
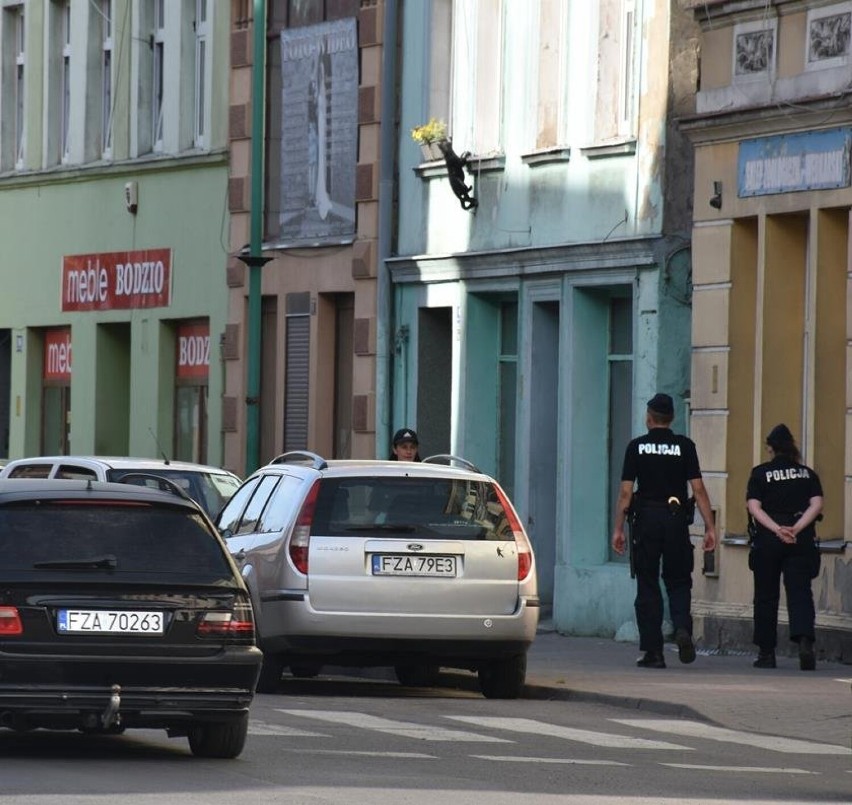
(387, 184)
(255, 259)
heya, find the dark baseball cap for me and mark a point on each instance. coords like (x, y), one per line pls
(405, 435)
(661, 404)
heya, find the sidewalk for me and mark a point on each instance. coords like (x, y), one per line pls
(722, 689)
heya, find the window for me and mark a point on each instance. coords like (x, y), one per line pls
(105, 9)
(202, 30)
(18, 32)
(477, 75)
(625, 87)
(12, 66)
(616, 88)
(158, 74)
(550, 111)
(65, 82)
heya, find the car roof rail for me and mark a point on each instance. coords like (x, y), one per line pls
(301, 457)
(164, 484)
(446, 458)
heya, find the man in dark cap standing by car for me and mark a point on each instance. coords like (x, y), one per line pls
(660, 464)
(405, 446)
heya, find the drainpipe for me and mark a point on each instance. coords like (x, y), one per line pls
(387, 168)
(255, 259)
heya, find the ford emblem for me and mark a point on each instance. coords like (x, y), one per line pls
(415, 546)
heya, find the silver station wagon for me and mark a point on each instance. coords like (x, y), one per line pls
(210, 487)
(415, 566)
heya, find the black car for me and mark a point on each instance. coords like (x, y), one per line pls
(120, 607)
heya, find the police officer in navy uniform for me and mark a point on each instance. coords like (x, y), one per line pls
(661, 464)
(784, 498)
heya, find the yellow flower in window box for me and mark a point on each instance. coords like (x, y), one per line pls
(428, 136)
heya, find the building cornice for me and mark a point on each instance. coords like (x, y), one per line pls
(527, 261)
(805, 114)
(94, 171)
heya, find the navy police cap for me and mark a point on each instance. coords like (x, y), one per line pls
(661, 404)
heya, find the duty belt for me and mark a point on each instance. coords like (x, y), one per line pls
(660, 503)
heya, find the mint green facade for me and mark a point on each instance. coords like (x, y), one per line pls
(121, 394)
(134, 172)
(529, 333)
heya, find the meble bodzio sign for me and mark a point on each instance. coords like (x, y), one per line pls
(193, 350)
(117, 280)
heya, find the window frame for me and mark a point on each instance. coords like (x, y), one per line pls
(106, 10)
(64, 85)
(201, 85)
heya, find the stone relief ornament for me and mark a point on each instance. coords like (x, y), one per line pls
(828, 37)
(754, 51)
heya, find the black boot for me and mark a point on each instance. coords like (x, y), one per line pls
(685, 646)
(765, 659)
(652, 659)
(807, 660)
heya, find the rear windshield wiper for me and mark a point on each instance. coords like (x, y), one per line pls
(107, 562)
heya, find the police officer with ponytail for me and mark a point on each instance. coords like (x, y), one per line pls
(784, 500)
(662, 466)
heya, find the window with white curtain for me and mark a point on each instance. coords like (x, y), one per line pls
(477, 59)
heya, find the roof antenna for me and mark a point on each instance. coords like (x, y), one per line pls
(159, 446)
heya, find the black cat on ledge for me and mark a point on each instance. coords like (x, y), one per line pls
(455, 168)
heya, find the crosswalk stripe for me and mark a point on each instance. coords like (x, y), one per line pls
(695, 729)
(405, 729)
(357, 753)
(564, 760)
(745, 769)
(530, 726)
(262, 728)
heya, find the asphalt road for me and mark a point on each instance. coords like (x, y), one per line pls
(324, 742)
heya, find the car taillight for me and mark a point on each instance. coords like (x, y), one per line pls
(301, 538)
(522, 543)
(10, 622)
(236, 625)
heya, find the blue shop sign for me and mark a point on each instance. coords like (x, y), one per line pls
(816, 160)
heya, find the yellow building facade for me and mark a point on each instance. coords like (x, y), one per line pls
(772, 287)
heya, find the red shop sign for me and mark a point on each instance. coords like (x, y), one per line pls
(57, 354)
(193, 350)
(117, 280)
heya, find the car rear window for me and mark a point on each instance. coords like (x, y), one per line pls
(138, 539)
(438, 507)
(211, 491)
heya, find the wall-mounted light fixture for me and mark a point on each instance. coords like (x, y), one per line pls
(716, 198)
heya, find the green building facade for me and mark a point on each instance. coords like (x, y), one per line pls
(113, 227)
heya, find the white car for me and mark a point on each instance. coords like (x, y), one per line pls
(211, 487)
(385, 563)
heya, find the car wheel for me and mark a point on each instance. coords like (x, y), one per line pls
(417, 676)
(503, 678)
(305, 670)
(270, 673)
(224, 739)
